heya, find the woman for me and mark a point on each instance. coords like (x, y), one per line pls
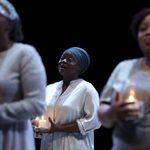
(72, 106)
(22, 83)
(125, 100)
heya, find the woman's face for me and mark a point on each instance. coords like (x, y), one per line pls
(144, 36)
(68, 65)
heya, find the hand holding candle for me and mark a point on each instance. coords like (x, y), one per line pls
(42, 122)
(135, 106)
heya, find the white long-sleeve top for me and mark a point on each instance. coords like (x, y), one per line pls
(22, 95)
(79, 103)
(130, 136)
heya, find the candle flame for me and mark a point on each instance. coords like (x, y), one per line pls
(42, 117)
(37, 118)
(131, 96)
(132, 93)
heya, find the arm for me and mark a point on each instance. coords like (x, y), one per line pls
(108, 111)
(70, 127)
(106, 115)
(120, 111)
(89, 122)
(33, 83)
(87, 118)
(107, 99)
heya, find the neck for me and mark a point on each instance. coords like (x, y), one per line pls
(68, 79)
(66, 83)
(5, 46)
(145, 64)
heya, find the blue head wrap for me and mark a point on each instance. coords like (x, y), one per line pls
(81, 56)
(7, 10)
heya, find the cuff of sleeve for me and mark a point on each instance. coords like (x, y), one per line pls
(81, 127)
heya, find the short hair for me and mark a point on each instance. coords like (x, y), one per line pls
(137, 19)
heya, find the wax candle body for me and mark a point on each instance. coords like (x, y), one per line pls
(42, 123)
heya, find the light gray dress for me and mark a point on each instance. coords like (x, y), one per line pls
(22, 94)
(79, 103)
(130, 135)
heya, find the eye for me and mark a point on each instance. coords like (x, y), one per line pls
(142, 28)
(69, 59)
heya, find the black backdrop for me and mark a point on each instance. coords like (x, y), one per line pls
(101, 27)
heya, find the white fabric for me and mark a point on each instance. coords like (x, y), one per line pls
(130, 136)
(80, 102)
(22, 95)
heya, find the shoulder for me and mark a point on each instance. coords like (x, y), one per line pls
(51, 86)
(123, 68)
(87, 86)
(87, 89)
(25, 49)
(127, 62)
(27, 54)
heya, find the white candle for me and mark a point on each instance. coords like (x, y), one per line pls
(42, 122)
(131, 97)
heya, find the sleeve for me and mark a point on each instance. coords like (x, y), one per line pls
(115, 81)
(90, 121)
(33, 84)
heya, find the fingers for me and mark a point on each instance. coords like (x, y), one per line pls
(131, 111)
(119, 97)
(50, 120)
(41, 130)
(35, 123)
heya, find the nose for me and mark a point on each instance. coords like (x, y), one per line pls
(64, 60)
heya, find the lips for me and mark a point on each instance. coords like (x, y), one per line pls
(62, 66)
(146, 41)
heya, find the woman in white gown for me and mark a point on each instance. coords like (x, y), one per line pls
(130, 117)
(72, 106)
(22, 83)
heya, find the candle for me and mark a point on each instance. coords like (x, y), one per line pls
(42, 123)
(131, 97)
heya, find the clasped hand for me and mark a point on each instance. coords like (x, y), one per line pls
(53, 128)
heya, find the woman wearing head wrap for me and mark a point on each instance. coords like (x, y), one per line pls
(72, 106)
(22, 83)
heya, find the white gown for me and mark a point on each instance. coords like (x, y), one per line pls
(22, 95)
(130, 136)
(80, 103)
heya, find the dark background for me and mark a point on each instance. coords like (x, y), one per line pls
(101, 27)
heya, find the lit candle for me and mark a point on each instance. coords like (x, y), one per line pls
(42, 123)
(131, 97)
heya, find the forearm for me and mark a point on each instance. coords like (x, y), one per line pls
(20, 110)
(106, 115)
(71, 127)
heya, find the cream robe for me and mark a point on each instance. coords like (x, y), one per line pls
(22, 95)
(79, 103)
